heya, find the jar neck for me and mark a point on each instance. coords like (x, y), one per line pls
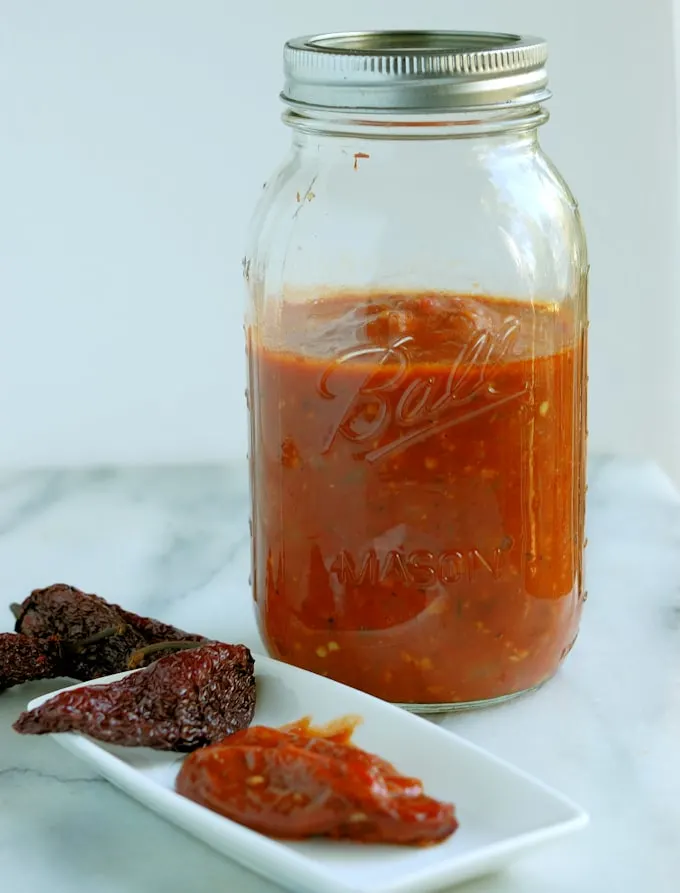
(512, 124)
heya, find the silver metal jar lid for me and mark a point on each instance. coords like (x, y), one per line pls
(418, 71)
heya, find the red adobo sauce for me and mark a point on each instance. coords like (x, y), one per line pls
(417, 467)
(299, 782)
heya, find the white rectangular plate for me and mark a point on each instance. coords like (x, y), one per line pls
(502, 810)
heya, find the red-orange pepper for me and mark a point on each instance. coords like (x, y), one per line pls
(293, 785)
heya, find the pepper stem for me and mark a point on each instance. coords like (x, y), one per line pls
(137, 657)
(106, 633)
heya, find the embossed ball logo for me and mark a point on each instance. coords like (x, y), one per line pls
(391, 395)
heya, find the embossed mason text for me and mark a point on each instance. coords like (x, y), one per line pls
(419, 568)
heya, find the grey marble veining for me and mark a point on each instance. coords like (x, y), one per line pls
(174, 543)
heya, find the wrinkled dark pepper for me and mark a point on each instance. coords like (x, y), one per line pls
(23, 658)
(61, 631)
(181, 702)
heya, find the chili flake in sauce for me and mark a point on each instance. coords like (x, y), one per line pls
(417, 463)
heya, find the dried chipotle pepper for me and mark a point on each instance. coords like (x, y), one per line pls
(89, 637)
(289, 784)
(77, 616)
(23, 658)
(180, 702)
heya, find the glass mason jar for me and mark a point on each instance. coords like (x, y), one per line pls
(416, 334)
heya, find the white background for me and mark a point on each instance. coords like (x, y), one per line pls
(134, 139)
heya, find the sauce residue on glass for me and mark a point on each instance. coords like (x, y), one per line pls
(417, 468)
(301, 781)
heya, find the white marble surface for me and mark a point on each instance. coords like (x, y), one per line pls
(174, 543)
